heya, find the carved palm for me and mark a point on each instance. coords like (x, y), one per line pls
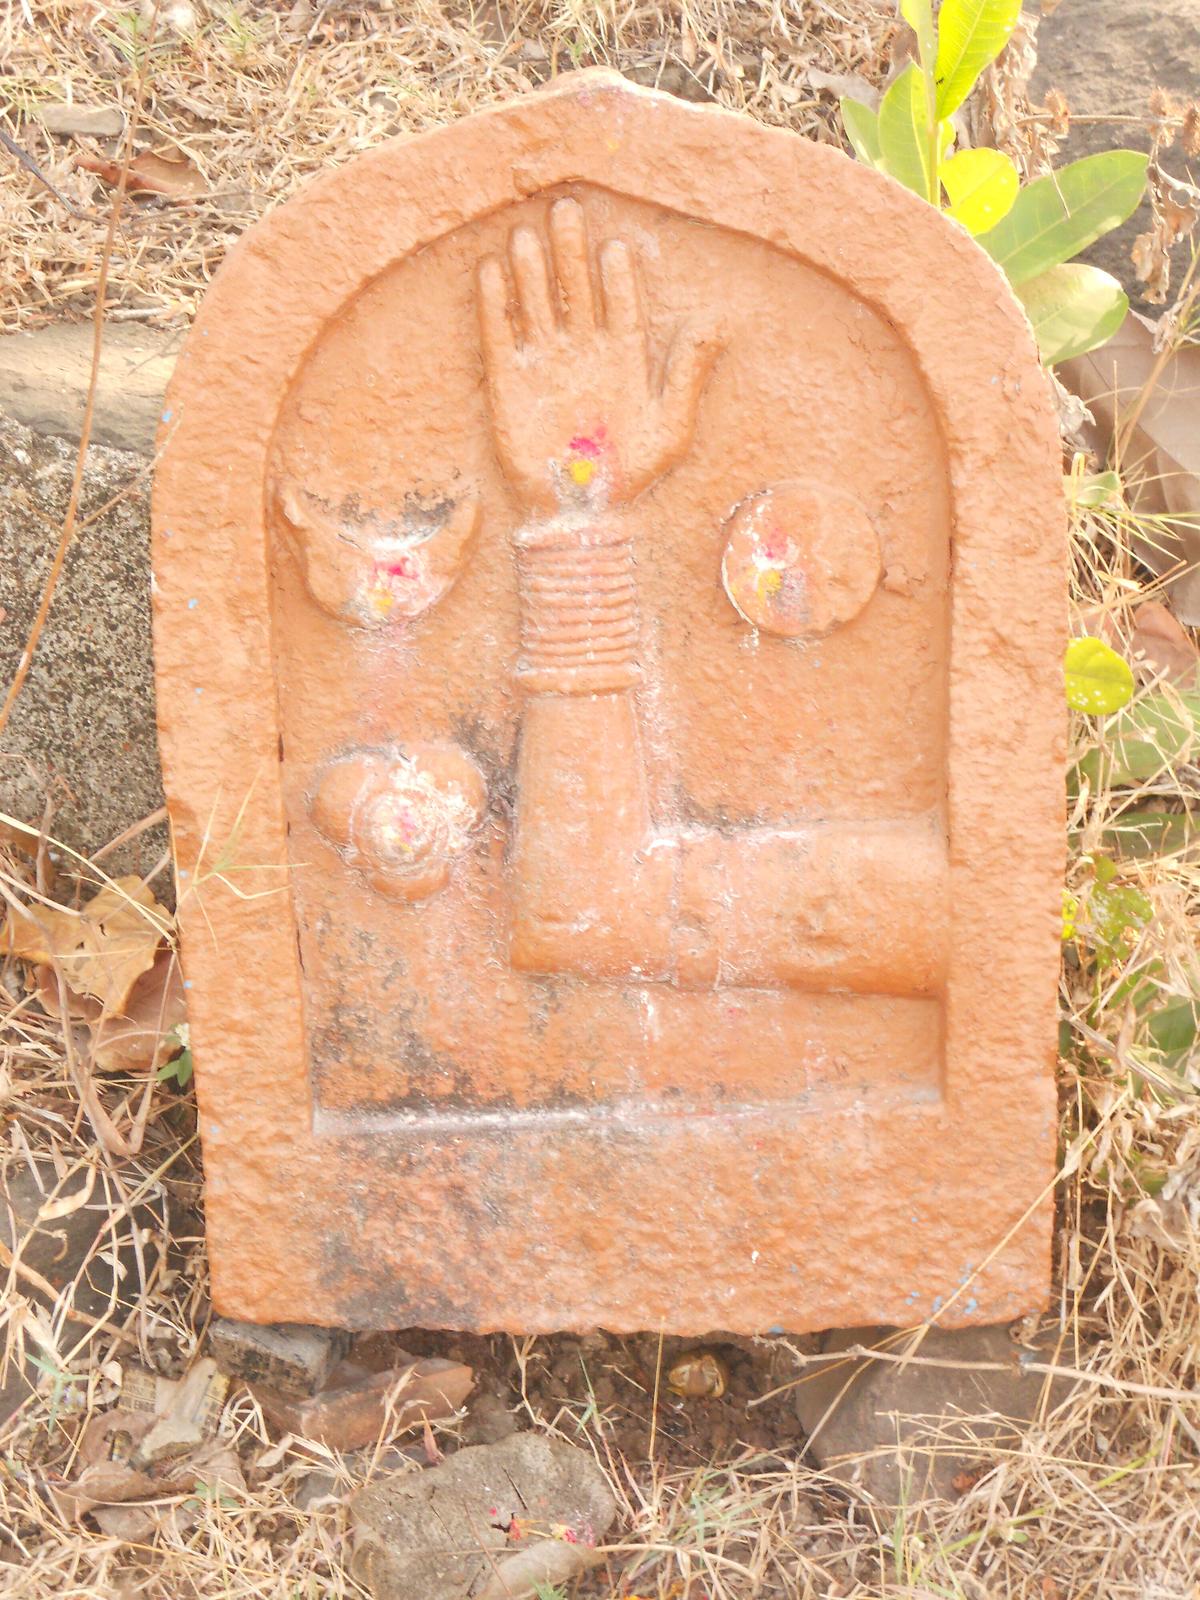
(582, 414)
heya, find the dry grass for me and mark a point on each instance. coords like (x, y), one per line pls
(1098, 1498)
(255, 98)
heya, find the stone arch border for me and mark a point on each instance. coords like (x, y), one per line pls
(323, 1226)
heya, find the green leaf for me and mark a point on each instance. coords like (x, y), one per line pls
(1142, 834)
(1173, 1027)
(179, 1070)
(1117, 913)
(904, 133)
(862, 130)
(982, 185)
(1094, 488)
(1098, 680)
(919, 16)
(971, 34)
(1155, 733)
(1072, 308)
(1056, 217)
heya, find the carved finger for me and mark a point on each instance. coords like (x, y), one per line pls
(689, 362)
(620, 287)
(495, 324)
(533, 284)
(568, 240)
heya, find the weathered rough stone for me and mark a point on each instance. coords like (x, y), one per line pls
(613, 831)
(44, 377)
(494, 1522)
(356, 1404)
(288, 1357)
(74, 1247)
(1107, 57)
(82, 732)
(488, 1420)
(902, 1432)
(101, 122)
(58, 1229)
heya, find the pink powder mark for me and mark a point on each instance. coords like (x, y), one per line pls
(400, 568)
(775, 547)
(591, 445)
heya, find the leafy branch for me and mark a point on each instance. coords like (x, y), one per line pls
(1032, 232)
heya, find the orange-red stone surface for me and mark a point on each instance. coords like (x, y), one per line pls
(610, 590)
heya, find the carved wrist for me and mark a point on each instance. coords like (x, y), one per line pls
(579, 615)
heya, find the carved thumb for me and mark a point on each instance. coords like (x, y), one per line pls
(693, 352)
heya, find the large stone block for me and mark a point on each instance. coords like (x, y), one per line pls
(45, 375)
(82, 734)
(1108, 57)
(609, 627)
(930, 1415)
(506, 1521)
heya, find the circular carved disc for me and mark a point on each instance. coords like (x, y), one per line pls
(800, 559)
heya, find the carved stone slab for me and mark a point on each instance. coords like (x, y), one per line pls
(610, 583)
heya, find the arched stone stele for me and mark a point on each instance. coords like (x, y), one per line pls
(609, 598)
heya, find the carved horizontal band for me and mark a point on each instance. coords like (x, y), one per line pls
(579, 613)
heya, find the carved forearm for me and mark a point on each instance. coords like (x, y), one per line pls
(579, 619)
(592, 892)
(857, 906)
(596, 891)
(592, 889)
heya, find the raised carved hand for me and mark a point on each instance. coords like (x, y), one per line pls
(583, 415)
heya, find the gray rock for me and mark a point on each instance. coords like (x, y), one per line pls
(475, 1526)
(1107, 56)
(290, 1357)
(101, 122)
(904, 1433)
(82, 731)
(488, 1420)
(44, 378)
(73, 1252)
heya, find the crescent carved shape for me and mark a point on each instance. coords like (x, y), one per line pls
(370, 573)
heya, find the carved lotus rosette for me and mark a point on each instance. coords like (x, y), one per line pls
(400, 816)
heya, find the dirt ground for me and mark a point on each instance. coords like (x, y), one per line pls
(567, 1378)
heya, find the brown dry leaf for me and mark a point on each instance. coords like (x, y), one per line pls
(25, 844)
(150, 172)
(1151, 256)
(1163, 112)
(115, 1482)
(1175, 209)
(1163, 449)
(131, 1524)
(1164, 646)
(138, 1038)
(140, 1451)
(102, 950)
(1059, 113)
(106, 1475)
